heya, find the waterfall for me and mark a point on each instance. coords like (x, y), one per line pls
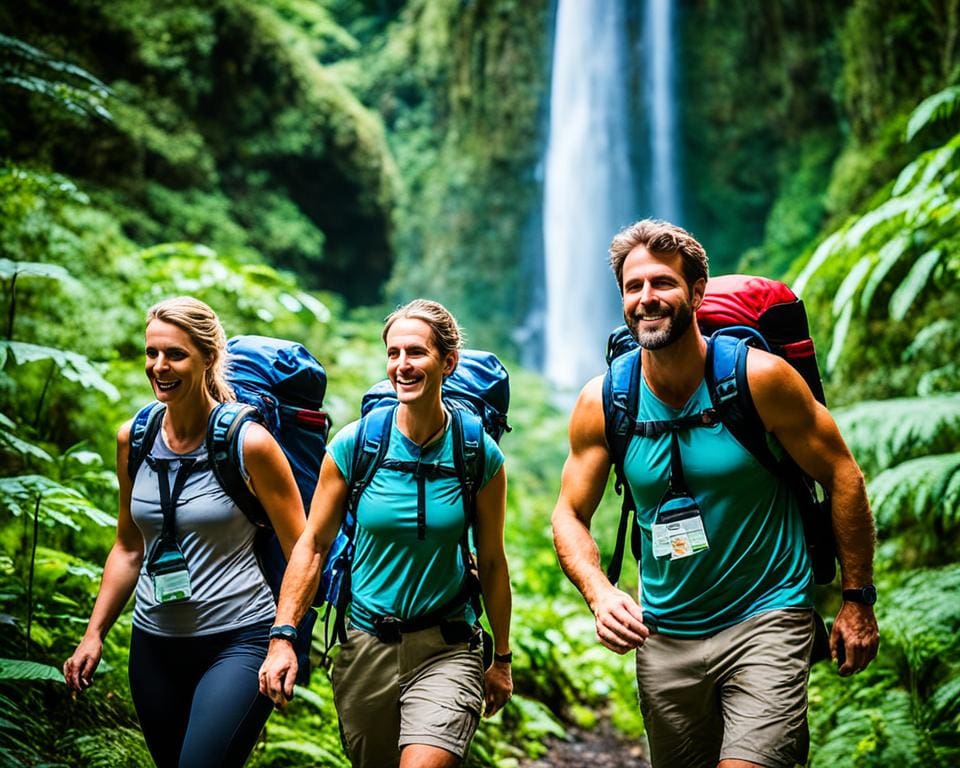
(589, 186)
(658, 98)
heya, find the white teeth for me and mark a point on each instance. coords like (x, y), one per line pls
(166, 386)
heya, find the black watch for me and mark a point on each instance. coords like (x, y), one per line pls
(864, 595)
(504, 658)
(284, 632)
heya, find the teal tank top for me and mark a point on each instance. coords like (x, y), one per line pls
(394, 573)
(757, 558)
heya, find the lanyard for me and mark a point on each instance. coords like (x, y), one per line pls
(168, 499)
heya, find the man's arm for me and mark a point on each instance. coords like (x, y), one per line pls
(619, 619)
(302, 579)
(809, 434)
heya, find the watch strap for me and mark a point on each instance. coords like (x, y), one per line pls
(284, 632)
(504, 658)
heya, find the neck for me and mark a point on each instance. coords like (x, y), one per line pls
(421, 423)
(674, 372)
(185, 425)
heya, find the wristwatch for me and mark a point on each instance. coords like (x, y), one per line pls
(864, 595)
(284, 632)
(504, 658)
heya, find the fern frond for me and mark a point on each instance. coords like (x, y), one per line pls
(840, 331)
(887, 259)
(914, 283)
(939, 106)
(851, 283)
(919, 494)
(882, 433)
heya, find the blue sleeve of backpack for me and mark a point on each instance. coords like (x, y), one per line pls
(340, 449)
(493, 458)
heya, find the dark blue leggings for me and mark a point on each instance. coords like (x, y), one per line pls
(197, 697)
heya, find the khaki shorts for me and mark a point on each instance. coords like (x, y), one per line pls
(739, 694)
(419, 691)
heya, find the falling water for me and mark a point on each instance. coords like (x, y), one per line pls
(588, 185)
(658, 98)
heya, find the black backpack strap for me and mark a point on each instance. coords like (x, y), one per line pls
(621, 396)
(224, 453)
(469, 459)
(726, 371)
(143, 431)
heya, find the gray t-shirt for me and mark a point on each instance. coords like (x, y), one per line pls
(216, 538)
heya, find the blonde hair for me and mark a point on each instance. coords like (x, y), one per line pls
(447, 336)
(203, 327)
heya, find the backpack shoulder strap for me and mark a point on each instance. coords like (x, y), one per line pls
(726, 373)
(224, 454)
(369, 451)
(469, 458)
(621, 395)
(143, 432)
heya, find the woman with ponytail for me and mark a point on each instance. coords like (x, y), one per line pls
(203, 609)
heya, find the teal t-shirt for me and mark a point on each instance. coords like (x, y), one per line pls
(395, 573)
(757, 559)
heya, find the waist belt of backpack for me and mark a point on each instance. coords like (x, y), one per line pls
(389, 628)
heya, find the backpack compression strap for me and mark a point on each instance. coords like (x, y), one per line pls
(224, 452)
(470, 461)
(143, 431)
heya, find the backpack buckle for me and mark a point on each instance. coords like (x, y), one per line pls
(387, 629)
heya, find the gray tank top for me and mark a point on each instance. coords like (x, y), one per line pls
(216, 538)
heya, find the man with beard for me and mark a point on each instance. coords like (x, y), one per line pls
(724, 626)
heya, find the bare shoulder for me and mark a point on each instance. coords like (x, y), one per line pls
(258, 442)
(123, 435)
(586, 420)
(781, 396)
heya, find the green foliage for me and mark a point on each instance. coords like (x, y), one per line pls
(17, 669)
(884, 433)
(23, 66)
(941, 105)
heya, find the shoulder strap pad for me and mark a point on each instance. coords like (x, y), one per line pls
(224, 454)
(621, 394)
(469, 458)
(143, 432)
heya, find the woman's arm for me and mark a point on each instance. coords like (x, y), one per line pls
(302, 578)
(120, 574)
(274, 485)
(495, 583)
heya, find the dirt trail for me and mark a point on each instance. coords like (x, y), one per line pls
(596, 748)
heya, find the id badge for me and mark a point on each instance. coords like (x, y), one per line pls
(678, 531)
(171, 578)
(172, 586)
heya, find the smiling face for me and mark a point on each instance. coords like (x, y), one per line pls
(174, 365)
(658, 305)
(414, 364)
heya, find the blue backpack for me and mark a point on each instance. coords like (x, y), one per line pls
(477, 395)
(280, 385)
(738, 311)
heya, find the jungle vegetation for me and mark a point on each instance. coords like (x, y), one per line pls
(302, 166)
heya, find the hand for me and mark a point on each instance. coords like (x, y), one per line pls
(497, 687)
(279, 672)
(856, 629)
(78, 669)
(619, 621)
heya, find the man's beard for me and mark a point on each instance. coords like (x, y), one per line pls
(675, 325)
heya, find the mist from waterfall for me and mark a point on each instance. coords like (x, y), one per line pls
(589, 185)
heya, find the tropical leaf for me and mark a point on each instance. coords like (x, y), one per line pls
(10, 443)
(851, 284)
(74, 367)
(59, 504)
(820, 256)
(9, 269)
(921, 494)
(886, 260)
(939, 106)
(914, 283)
(20, 669)
(883, 433)
(840, 331)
